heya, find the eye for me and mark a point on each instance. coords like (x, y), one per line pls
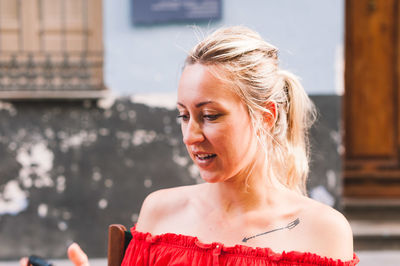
(211, 117)
(183, 117)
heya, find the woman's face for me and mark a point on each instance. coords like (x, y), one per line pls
(216, 126)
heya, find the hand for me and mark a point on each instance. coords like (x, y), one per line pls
(75, 255)
(24, 261)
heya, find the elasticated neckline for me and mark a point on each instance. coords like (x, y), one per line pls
(180, 242)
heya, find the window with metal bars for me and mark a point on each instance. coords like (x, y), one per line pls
(51, 49)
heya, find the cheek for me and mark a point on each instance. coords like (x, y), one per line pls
(243, 140)
(232, 141)
(216, 136)
(241, 130)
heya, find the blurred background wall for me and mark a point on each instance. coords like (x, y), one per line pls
(308, 33)
(76, 158)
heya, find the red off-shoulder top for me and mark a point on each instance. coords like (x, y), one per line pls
(173, 249)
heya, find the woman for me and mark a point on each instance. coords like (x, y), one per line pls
(244, 123)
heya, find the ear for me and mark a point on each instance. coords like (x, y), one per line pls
(271, 116)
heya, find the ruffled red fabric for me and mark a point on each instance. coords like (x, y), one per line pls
(173, 249)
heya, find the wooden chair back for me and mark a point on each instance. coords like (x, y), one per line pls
(118, 239)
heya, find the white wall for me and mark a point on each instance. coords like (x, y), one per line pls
(309, 34)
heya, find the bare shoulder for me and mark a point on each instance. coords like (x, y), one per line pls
(160, 204)
(328, 230)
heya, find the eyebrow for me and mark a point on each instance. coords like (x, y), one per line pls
(197, 105)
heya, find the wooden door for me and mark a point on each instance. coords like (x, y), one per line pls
(372, 98)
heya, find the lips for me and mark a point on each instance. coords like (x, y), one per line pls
(205, 156)
(204, 159)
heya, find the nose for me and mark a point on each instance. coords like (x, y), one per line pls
(192, 133)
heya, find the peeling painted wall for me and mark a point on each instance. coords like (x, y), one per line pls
(325, 183)
(69, 169)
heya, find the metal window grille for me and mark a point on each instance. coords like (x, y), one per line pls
(50, 73)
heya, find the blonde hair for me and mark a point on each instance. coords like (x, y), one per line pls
(241, 57)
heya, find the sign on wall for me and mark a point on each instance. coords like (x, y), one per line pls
(158, 11)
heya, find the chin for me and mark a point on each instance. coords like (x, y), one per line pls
(210, 178)
(211, 181)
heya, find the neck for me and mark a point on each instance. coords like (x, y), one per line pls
(249, 191)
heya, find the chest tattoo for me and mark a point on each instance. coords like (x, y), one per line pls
(289, 226)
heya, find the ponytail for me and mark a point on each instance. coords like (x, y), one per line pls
(300, 114)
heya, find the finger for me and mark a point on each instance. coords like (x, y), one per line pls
(24, 261)
(77, 256)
